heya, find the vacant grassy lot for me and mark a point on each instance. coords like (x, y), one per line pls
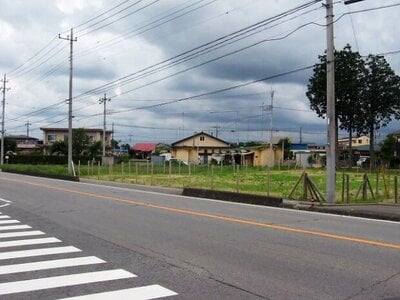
(241, 179)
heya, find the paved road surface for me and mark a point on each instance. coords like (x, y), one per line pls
(64, 239)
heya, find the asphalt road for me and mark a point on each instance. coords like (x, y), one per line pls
(115, 240)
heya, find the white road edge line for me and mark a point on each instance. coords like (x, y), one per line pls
(61, 281)
(38, 252)
(20, 233)
(139, 293)
(50, 264)
(27, 242)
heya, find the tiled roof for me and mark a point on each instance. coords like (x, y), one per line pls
(145, 147)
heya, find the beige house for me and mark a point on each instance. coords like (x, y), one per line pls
(51, 135)
(201, 148)
(198, 148)
(362, 140)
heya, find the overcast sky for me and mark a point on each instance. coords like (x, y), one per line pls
(120, 45)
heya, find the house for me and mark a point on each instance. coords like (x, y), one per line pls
(50, 135)
(362, 140)
(199, 148)
(144, 150)
(202, 148)
(25, 144)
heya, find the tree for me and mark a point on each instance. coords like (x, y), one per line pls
(387, 148)
(94, 148)
(381, 99)
(9, 145)
(59, 147)
(80, 141)
(286, 146)
(349, 70)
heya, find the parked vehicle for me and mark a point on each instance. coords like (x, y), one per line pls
(362, 161)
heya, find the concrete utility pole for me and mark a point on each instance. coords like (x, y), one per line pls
(216, 130)
(71, 39)
(330, 107)
(27, 128)
(271, 162)
(2, 120)
(104, 101)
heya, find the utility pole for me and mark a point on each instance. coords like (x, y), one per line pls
(2, 120)
(71, 40)
(104, 101)
(301, 135)
(330, 108)
(216, 130)
(270, 130)
(27, 128)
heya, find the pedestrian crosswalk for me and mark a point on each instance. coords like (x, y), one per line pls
(26, 253)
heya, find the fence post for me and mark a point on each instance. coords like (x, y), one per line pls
(92, 167)
(110, 170)
(343, 186)
(79, 168)
(305, 187)
(98, 170)
(348, 188)
(237, 179)
(364, 188)
(152, 172)
(122, 171)
(136, 172)
(179, 167)
(377, 184)
(129, 167)
(395, 190)
(169, 174)
(212, 177)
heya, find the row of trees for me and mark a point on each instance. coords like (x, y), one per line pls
(367, 93)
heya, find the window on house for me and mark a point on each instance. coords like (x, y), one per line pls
(51, 138)
(360, 141)
(201, 138)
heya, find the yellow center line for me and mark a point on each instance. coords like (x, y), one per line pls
(213, 216)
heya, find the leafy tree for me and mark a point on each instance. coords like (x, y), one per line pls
(286, 145)
(94, 148)
(59, 147)
(349, 70)
(387, 148)
(381, 99)
(80, 141)
(114, 144)
(9, 145)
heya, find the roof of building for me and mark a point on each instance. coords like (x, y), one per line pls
(66, 129)
(20, 137)
(145, 147)
(197, 134)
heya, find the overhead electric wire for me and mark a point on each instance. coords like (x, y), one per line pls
(208, 44)
(142, 29)
(120, 18)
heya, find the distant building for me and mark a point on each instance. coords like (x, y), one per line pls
(51, 135)
(25, 144)
(144, 150)
(362, 140)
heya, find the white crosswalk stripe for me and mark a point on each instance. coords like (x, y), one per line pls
(37, 252)
(50, 264)
(9, 222)
(139, 293)
(29, 242)
(14, 227)
(15, 266)
(20, 233)
(60, 281)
